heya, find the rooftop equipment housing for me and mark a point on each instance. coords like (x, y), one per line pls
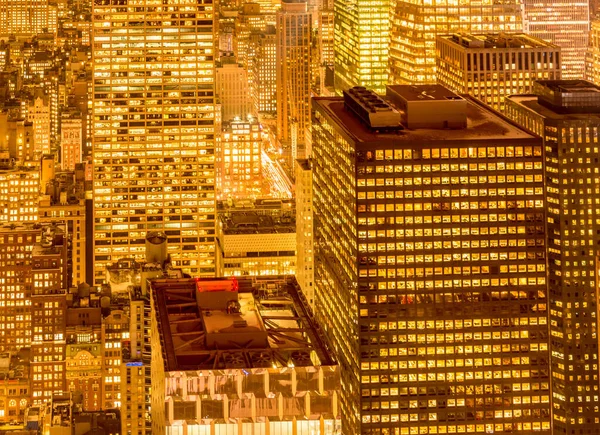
(371, 109)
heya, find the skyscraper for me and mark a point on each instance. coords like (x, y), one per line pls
(361, 35)
(567, 115)
(415, 25)
(493, 66)
(153, 144)
(564, 23)
(430, 263)
(232, 91)
(305, 262)
(592, 61)
(239, 172)
(263, 85)
(24, 17)
(294, 32)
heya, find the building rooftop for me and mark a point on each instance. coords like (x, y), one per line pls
(15, 366)
(497, 41)
(482, 123)
(531, 101)
(570, 86)
(225, 323)
(20, 227)
(260, 216)
(563, 99)
(424, 92)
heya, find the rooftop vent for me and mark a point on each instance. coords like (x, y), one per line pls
(371, 109)
(233, 360)
(261, 359)
(301, 358)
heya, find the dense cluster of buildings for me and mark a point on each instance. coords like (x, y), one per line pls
(299, 217)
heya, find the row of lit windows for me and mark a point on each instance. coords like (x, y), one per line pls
(451, 244)
(452, 325)
(456, 167)
(453, 350)
(447, 232)
(455, 153)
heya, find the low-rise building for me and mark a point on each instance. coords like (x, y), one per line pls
(233, 356)
(259, 237)
(15, 391)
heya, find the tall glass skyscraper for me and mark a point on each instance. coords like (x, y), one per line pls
(567, 115)
(416, 23)
(292, 76)
(430, 269)
(154, 129)
(565, 23)
(361, 34)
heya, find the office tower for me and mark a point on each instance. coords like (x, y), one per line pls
(493, 66)
(592, 65)
(325, 42)
(430, 263)
(239, 160)
(71, 142)
(415, 25)
(293, 76)
(249, 20)
(361, 33)
(16, 284)
(304, 230)
(566, 115)
(114, 325)
(62, 202)
(259, 237)
(242, 365)
(232, 91)
(24, 17)
(153, 150)
(225, 29)
(19, 194)
(48, 314)
(84, 346)
(263, 86)
(39, 114)
(563, 23)
(17, 135)
(48, 321)
(32, 275)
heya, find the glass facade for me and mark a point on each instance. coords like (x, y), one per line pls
(416, 23)
(239, 160)
(564, 23)
(573, 196)
(430, 275)
(592, 65)
(154, 128)
(292, 74)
